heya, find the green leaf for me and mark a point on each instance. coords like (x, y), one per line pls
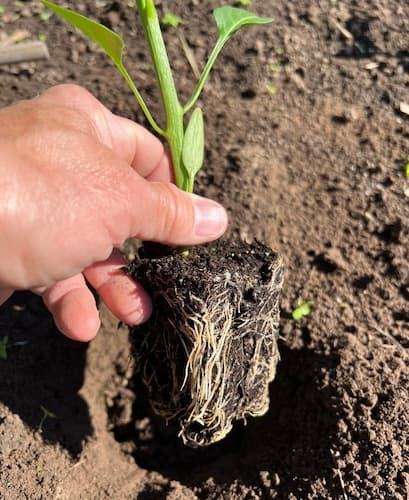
(302, 310)
(230, 19)
(110, 42)
(170, 19)
(45, 16)
(193, 145)
(407, 168)
(3, 347)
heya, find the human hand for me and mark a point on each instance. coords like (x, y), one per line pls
(76, 181)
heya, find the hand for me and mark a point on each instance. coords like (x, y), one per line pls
(76, 181)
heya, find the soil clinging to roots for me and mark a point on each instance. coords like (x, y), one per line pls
(209, 351)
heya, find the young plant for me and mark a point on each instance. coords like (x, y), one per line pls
(302, 310)
(45, 415)
(185, 136)
(208, 354)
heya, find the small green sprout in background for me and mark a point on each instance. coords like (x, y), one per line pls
(271, 89)
(2, 9)
(184, 136)
(275, 69)
(42, 37)
(39, 469)
(3, 347)
(406, 168)
(302, 310)
(45, 16)
(170, 19)
(46, 414)
(244, 2)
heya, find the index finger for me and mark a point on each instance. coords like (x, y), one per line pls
(130, 141)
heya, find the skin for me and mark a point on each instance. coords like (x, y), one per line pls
(76, 181)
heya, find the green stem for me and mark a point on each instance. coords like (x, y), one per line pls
(212, 58)
(141, 102)
(173, 110)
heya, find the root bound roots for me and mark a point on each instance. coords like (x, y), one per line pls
(209, 352)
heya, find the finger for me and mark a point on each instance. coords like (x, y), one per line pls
(128, 140)
(126, 299)
(163, 172)
(155, 211)
(5, 294)
(73, 308)
(140, 149)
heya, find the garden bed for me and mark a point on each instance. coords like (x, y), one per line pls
(306, 144)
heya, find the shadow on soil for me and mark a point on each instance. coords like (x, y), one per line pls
(292, 442)
(43, 373)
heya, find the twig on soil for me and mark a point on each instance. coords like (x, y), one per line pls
(23, 52)
(335, 454)
(390, 337)
(189, 55)
(341, 29)
(341, 480)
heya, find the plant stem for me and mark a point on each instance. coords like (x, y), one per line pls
(141, 102)
(212, 58)
(173, 110)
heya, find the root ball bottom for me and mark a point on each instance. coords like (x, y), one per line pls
(209, 351)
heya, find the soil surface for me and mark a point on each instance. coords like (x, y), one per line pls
(313, 166)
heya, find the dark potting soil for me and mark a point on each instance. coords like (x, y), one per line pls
(315, 171)
(209, 350)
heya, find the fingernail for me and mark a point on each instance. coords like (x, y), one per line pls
(210, 218)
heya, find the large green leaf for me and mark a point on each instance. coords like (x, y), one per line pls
(193, 145)
(228, 20)
(108, 40)
(231, 19)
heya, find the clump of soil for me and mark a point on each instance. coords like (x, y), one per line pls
(209, 351)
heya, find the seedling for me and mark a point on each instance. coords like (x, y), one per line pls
(3, 347)
(45, 16)
(406, 169)
(302, 310)
(208, 354)
(185, 136)
(170, 19)
(46, 414)
(271, 89)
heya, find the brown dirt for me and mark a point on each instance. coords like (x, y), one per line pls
(315, 171)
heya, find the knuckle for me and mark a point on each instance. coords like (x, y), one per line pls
(69, 91)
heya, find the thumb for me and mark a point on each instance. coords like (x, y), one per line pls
(171, 216)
